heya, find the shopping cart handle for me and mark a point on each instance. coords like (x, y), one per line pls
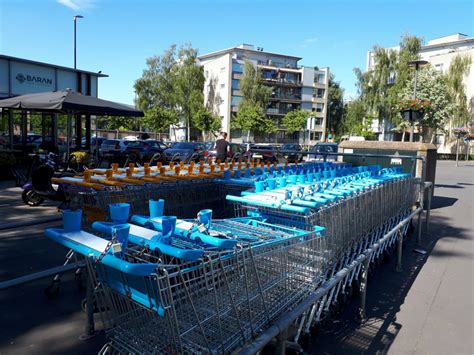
(142, 269)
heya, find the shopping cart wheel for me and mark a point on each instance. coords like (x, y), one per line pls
(335, 309)
(52, 291)
(343, 298)
(95, 309)
(80, 281)
(306, 340)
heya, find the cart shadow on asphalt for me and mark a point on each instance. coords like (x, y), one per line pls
(386, 293)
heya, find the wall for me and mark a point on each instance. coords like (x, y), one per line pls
(19, 77)
(217, 73)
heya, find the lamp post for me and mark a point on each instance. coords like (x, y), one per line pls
(416, 64)
(75, 20)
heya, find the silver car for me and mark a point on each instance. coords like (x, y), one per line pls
(113, 146)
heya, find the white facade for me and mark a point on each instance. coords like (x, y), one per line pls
(439, 53)
(294, 87)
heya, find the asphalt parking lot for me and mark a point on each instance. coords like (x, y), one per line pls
(426, 309)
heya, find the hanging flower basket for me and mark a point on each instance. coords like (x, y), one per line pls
(412, 115)
(414, 109)
(460, 132)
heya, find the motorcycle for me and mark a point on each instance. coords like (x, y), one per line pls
(40, 187)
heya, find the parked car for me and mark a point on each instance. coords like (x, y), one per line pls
(234, 149)
(320, 151)
(265, 152)
(113, 146)
(292, 152)
(184, 151)
(145, 150)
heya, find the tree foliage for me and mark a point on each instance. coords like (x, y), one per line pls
(251, 117)
(189, 85)
(117, 122)
(155, 90)
(206, 121)
(432, 86)
(356, 122)
(254, 91)
(295, 120)
(336, 106)
(459, 68)
(381, 87)
(170, 89)
(251, 114)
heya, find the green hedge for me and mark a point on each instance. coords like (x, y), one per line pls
(449, 156)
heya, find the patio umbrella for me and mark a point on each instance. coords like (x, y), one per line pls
(70, 103)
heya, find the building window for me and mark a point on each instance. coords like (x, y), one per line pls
(315, 136)
(319, 78)
(222, 86)
(222, 69)
(235, 133)
(318, 93)
(206, 74)
(439, 67)
(237, 68)
(235, 100)
(235, 84)
(319, 107)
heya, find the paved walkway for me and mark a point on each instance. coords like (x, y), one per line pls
(437, 316)
(429, 307)
(426, 309)
(13, 210)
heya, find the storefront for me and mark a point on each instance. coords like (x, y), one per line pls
(24, 130)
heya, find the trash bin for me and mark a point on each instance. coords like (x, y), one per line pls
(392, 148)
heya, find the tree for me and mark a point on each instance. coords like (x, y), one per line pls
(356, 122)
(432, 86)
(250, 117)
(170, 89)
(159, 119)
(295, 120)
(253, 90)
(206, 121)
(459, 68)
(188, 85)
(380, 88)
(117, 122)
(251, 108)
(336, 106)
(155, 90)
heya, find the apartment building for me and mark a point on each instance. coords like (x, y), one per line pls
(439, 53)
(293, 87)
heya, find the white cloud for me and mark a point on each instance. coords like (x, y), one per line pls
(308, 41)
(77, 4)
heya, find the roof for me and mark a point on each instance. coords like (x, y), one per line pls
(2, 56)
(237, 49)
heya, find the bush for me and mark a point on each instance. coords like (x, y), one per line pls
(7, 159)
(80, 158)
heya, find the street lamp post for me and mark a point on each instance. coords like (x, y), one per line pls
(75, 20)
(416, 64)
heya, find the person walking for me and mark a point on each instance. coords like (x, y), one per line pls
(222, 147)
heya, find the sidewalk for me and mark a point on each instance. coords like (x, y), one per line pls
(428, 308)
(13, 210)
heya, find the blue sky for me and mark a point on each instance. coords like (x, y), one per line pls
(117, 36)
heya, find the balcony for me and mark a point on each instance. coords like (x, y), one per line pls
(281, 81)
(287, 97)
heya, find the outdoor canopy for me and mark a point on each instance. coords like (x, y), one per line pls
(68, 101)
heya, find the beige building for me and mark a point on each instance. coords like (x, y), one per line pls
(293, 87)
(439, 53)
